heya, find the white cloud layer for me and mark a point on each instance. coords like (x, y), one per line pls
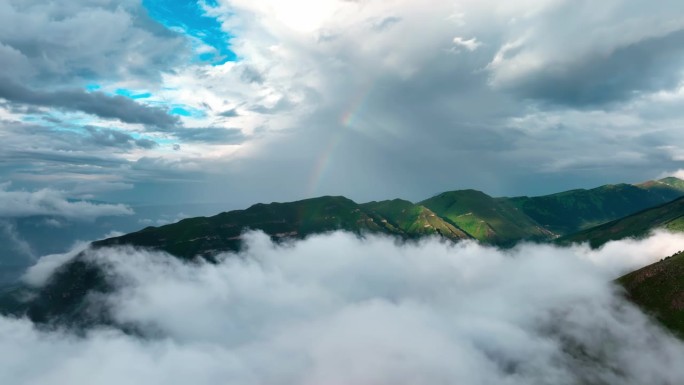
(334, 309)
(19, 203)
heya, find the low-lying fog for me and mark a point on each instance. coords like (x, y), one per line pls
(335, 309)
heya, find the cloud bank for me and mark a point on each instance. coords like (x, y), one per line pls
(96, 103)
(335, 309)
(17, 204)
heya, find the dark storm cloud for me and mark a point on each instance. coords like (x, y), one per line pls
(649, 65)
(95, 103)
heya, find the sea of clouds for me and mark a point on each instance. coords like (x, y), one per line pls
(336, 309)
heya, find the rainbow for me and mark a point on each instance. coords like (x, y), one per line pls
(347, 120)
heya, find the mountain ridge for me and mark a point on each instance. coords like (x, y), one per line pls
(206, 235)
(668, 216)
(453, 216)
(458, 214)
(486, 218)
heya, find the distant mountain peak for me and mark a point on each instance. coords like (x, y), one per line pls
(673, 181)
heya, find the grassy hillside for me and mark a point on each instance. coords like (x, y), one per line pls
(659, 290)
(504, 221)
(485, 218)
(668, 216)
(209, 235)
(571, 211)
(413, 220)
(669, 188)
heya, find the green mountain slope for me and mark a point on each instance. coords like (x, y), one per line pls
(668, 216)
(659, 290)
(575, 210)
(210, 235)
(485, 218)
(669, 188)
(454, 215)
(413, 220)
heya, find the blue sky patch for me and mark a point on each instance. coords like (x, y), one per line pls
(186, 111)
(31, 118)
(189, 17)
(180, 111)
(132, 94)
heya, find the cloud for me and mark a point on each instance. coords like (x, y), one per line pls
(211, 41)
(469, 44)
(231, 113)
(39, 274)
(210, 135)
(336, 309)
(620, 257)
(385, 23)
(16, 242)
(326, 92)
(358, 96)
(18, 204)
(96, 103)
(640, 67)
(46, 44)
(70, 139)
(107, 137)
(624, 49)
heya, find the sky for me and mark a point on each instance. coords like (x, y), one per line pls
(242, 101)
